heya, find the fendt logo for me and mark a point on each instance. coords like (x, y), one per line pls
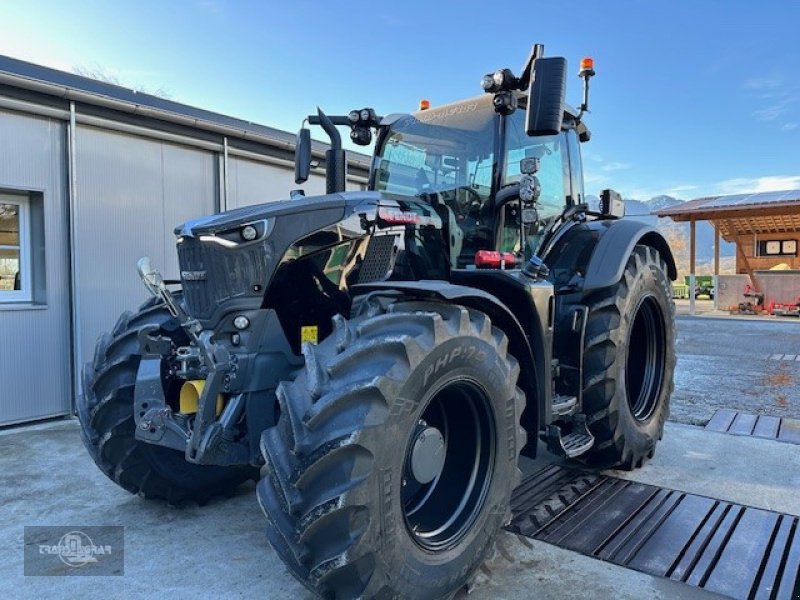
(75, 549)
(194, 275)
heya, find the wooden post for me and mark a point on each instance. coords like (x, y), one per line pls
(716, 265)
(745, 262)
(692, 241)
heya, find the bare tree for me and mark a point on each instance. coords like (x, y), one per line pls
(101, 74)
(678, 242)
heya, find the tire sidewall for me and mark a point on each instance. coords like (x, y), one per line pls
(170, 476)
(412, 571)
(649, 281)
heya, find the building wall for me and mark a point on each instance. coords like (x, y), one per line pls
(131, 193)
(34, 338)
(748, 245)
(132, 190)
(251, 182)
(781, 287)
(730, 291)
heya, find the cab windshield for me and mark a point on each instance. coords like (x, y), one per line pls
(447, 150)
(449, 153)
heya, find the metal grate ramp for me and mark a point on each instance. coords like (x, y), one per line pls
(727, 548)
(726, 420)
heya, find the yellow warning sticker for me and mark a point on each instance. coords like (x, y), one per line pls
(309, 333)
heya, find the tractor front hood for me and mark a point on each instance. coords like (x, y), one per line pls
(238, 217)
(228, 260)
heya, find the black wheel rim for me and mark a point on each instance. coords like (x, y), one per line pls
(440, 513)
(645, 365)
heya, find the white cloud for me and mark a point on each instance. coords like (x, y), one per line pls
(592, 180)
(682, 191)
(212, 6)
(679, 191)
(743, 185)
(775, 95)
(771, 82)
(774, 110)
(790, 126)
(596, 174)
(690, 191)
(616, 166)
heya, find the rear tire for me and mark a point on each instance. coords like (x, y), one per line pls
(105, 411)
(629, 360)
(346, 509)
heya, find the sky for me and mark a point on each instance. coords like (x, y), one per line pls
(691, 98)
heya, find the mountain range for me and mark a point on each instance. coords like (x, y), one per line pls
(677, 234)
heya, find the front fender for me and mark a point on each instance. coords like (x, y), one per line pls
(530, 350)
(616, 245)
(592, 255)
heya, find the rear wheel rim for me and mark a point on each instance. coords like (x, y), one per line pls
(645, 364)
(440, 513)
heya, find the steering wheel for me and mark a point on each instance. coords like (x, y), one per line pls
(465, 206)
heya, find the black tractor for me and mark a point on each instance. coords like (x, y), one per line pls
(379, 359)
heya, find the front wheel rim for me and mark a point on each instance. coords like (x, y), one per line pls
(438, 514)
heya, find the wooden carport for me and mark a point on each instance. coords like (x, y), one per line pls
(756, 223)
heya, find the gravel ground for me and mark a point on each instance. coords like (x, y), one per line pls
(743, 364)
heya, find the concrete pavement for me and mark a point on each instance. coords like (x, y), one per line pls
(46, 478)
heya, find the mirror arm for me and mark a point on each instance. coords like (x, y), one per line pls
(330, 129)
(525, 78)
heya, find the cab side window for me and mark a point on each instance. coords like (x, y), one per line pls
(553, 158)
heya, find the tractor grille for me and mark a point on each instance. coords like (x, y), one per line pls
(377, 260)
(212, 274)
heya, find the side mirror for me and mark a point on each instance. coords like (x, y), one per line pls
(302, 156)
(548, 87)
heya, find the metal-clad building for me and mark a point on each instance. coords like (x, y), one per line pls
(93, 176)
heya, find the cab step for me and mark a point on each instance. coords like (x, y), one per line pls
(573, 444)
(564, 405)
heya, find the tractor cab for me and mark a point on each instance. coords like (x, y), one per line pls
(499, 169)
(467, 160)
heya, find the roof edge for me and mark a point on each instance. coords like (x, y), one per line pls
(69, 86)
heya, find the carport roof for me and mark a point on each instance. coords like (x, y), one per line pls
(766, 212)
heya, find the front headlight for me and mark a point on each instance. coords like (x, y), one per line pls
(241, 234)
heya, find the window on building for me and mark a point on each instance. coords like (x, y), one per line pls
(776, 248)
(15, 253)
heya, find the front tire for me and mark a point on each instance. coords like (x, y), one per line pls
(355, 506)
(105, 411)
(629, 360)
